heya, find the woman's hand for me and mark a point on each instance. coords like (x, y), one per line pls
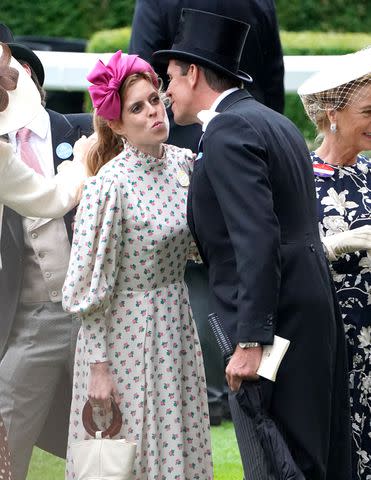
(101, 386)
(357, 239)
(82, 147)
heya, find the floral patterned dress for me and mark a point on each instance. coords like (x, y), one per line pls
(344, 201)
(125, 281)
(5, 460)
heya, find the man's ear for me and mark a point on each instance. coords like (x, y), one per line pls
(27, 68)
(193, 75)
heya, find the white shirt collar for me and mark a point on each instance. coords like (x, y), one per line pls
(205, 116)
(39, 125)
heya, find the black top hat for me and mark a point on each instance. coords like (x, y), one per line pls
(22, 53)
(209, 40)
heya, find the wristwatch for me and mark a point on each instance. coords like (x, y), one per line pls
(245, 345)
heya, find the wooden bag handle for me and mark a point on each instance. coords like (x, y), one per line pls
(90, 425)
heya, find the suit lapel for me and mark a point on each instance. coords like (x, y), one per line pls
(12, 222)
(224, 105)
(63, 132)
(190, 217)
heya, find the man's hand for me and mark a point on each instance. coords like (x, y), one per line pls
(243, 366)
(101, 386)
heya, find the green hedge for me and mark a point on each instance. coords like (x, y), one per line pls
(321, 43)
(81, 18)
(110, 40)
(61, 18)
(324, 15)
(293, 43)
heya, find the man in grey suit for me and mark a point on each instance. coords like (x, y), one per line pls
(37, 337)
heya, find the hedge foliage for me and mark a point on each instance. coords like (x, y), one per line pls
(321, 43)
(82, 18)
(324, 15)
(65, 18)
(293, 43)
(110, 40)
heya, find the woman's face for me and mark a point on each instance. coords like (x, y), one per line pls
(144, 122)
(354, 122)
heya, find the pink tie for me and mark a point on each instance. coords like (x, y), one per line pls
(27, 154)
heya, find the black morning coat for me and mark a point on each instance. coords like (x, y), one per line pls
(64, 128)
(252, 211)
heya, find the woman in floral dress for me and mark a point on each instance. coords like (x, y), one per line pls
(339, 102)
(138, 341)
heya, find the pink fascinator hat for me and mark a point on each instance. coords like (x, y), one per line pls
(107, 80)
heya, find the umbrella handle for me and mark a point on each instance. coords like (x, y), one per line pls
(91, 427)
(221, 336)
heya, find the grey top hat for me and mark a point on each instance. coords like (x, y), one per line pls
(209, 40)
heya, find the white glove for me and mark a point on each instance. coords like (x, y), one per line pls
(347, 242)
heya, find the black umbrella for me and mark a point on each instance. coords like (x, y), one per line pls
(251, 399)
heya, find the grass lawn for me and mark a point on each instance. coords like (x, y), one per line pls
(225, 454)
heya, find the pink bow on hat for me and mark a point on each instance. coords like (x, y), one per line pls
(107, 80)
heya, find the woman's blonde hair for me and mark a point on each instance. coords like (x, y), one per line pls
(109, 144)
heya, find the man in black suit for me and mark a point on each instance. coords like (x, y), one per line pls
(252, 211)
(153, 28)
(37, 337)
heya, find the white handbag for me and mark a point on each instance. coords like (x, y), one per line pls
(102, 458)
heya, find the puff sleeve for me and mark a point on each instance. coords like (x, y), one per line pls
(94, 263)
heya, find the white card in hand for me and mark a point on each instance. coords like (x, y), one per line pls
(272, 357)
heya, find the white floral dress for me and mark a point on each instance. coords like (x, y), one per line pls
(344, 203)
(125, 282)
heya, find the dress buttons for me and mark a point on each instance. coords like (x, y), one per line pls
(48, 274)
(54, 293)
(34, 235)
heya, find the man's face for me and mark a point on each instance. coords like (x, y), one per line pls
(180, 92)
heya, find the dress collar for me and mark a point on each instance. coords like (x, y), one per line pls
(318, 159)
(136, 158)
